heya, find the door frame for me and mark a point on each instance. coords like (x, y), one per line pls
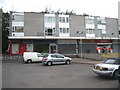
(53, 44)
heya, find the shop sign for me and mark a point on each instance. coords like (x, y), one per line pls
(16, 41)
(89, 41)
(103, 41)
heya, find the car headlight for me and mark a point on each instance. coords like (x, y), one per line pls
(104, 69)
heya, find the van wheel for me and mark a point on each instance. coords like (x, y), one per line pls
(49, 63)
(29, 61)
(68, 62)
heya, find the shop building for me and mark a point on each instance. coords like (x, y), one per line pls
(59, 33)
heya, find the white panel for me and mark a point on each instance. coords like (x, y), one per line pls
(15, 48)
(18, 13)
(17, 34)
(30, 47)
(90, 35)
(64, 34)
(101, 27)
(53, 15)
(92, 26)
(49, 24)
(63, 15)
(63, 25)
(87, 17)
(17, 24)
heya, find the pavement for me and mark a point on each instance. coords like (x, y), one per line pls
(86, 61)
(77, 60)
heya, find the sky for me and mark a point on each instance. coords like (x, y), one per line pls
(103, 8)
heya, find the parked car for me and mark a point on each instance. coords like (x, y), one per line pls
(118, 76)
(108, 68)
(30, 57)
(50, 59)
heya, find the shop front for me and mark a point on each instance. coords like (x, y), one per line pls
(104, 46)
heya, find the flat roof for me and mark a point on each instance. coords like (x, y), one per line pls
(53, 37)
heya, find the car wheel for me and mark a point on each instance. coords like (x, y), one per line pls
(49, 63)
(68, 62)
(29, 61)
(115, 74)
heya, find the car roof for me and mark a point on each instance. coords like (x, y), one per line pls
(116, 58)
(55, 54)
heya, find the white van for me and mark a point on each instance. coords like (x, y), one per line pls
(30, 57)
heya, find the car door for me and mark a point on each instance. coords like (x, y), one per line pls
(54, 59)
(61, 58)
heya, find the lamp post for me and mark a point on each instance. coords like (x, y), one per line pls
(81, 48)
(81, 53)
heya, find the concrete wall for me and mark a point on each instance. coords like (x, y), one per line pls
(77, 24)
(57, 24)
(112, 27)
(33, 24)
(1, 31)
(119, 16)
(87, 48)
(67, 46)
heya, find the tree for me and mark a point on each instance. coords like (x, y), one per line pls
(5, 31)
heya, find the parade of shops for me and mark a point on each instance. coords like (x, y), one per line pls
(60, 33)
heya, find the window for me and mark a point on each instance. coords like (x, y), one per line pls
(59, 56)
(67, 30)
(49, 19)
(60, 30)
(89, 21)
(53, 56)
(104, 31)
(64, 19)
(67, 19)
(49, 31)
(101, 21)
(90, 31)
(38, 55)
(19, 29)
(64, 30)
(110, 61)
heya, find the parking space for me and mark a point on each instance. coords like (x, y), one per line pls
(36, 75)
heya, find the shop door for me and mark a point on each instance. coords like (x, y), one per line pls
(53, 48)
(22, 48)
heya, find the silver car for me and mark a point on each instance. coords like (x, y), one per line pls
(108, 68)
(50, 59)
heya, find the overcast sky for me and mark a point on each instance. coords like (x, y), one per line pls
(103, 8)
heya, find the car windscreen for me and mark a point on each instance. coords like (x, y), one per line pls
(45, 56)
(110, 61)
